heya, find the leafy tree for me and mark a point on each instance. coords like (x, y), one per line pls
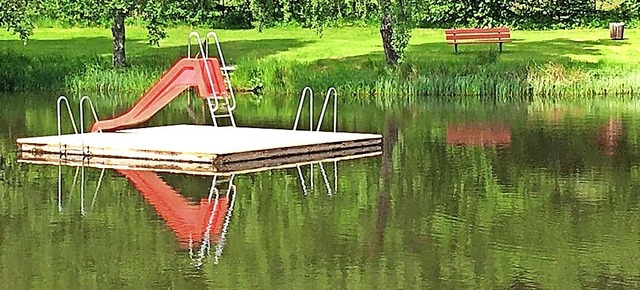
(263, 13)
(16, 16)
(154, 12)
(397, 19)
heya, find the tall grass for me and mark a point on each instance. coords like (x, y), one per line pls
(19, 72)
(105, 80)
(480, 78)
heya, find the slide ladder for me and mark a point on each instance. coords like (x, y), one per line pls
(219, 106)
(202, 72)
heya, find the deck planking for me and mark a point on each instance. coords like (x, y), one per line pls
(199, 148)
(177, 167)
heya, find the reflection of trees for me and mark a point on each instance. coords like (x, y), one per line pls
(383, 200)
(474, 212)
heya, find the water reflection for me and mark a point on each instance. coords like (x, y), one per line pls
(383, 200)
(195, 225)
(551, 211)
(479, 134)
(325, 178)
(609, 135)
(198, 226)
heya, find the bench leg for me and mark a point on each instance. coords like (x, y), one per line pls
(455, 47)
(500, 46)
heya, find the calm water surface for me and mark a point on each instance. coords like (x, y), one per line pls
(518, 196)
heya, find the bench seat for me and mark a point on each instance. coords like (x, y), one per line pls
(477, 36)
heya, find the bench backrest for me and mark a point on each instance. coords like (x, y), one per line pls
(470, 34)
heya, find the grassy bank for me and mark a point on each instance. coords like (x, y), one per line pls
(544, 64)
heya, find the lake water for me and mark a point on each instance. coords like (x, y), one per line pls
(514, 196)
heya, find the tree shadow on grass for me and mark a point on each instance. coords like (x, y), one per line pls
(553, 50)
(44, 64)
(135, 48)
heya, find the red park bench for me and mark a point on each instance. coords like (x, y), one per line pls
(477, 36)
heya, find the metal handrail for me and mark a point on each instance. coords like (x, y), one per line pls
(324, 108)
(93, 112)
(330, 92)
(302, 97)
(73, 122)
(224, 65)
(204, 59)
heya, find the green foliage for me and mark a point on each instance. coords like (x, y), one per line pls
(263, 13)
(16, 16)
(401, 17)
(20, 14)
(19, 72)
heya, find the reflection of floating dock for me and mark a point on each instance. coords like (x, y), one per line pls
(199, 148)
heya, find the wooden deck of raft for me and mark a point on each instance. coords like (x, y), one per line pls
(198, 148)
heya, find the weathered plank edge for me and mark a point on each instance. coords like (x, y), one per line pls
(272, 153)
(175, 167)
(296, 159)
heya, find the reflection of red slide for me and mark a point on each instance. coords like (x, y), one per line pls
(478, 134)
(185, 73)
(188, 221)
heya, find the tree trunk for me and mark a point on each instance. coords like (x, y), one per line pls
(117, 30)
(386, 31)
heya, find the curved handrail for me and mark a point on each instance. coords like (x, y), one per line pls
(204, 59)
(93, 112)
(197, 36)
(302, 97)
(224, 66)
(324, 109)
(73, 122)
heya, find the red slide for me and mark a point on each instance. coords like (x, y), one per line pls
(186, 220)
(185, 73)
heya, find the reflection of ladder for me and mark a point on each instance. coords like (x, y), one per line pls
(219, 106)
(221, 185)
(82, 187)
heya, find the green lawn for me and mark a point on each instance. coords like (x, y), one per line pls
(585, 45)
(352, 58)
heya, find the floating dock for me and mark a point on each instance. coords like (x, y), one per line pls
(198, 148)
